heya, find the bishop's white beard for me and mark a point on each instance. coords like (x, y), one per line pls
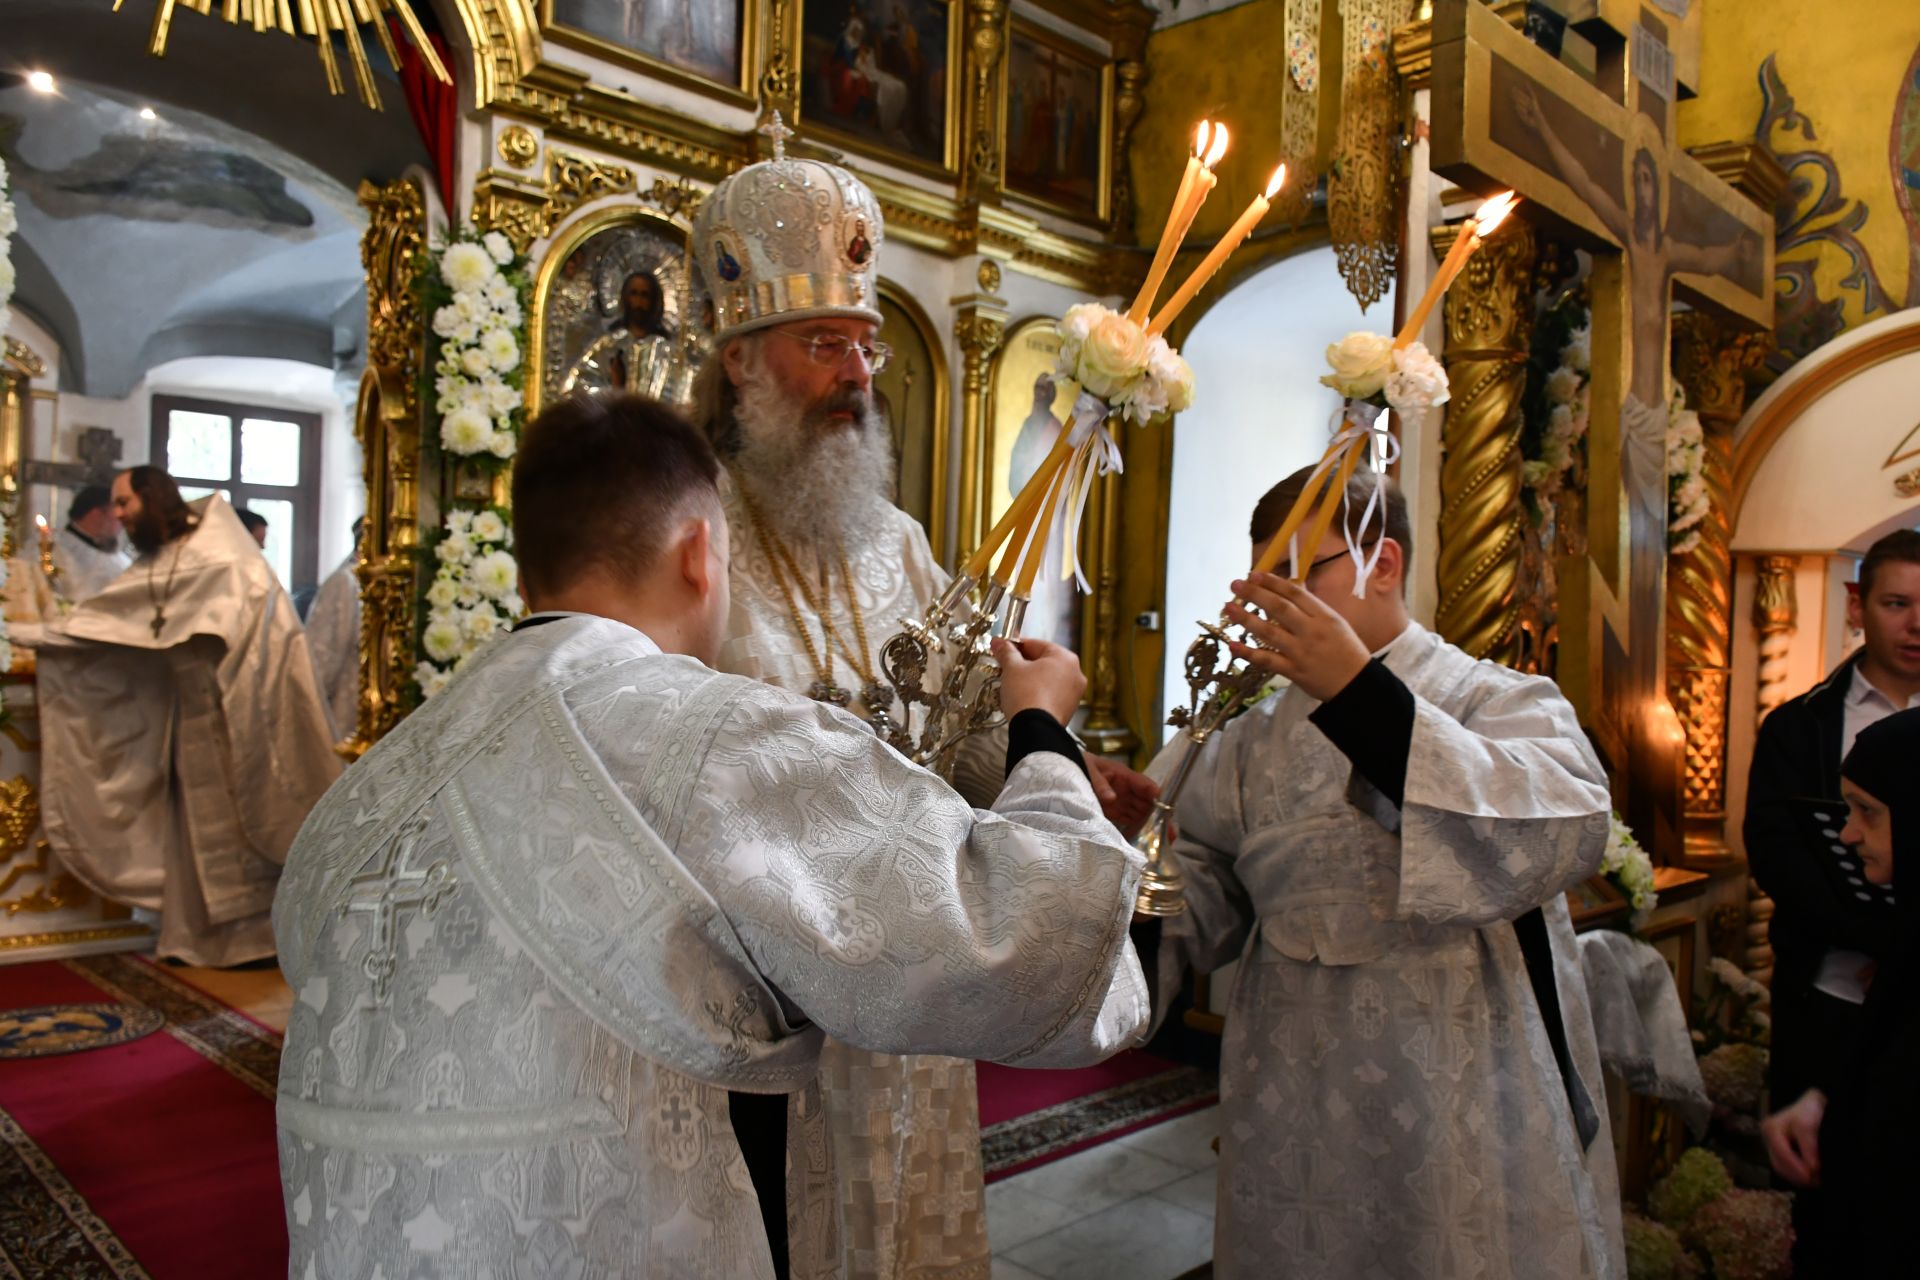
(815, 482)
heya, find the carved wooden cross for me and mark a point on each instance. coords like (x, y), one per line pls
(99, 451)
(1598, 164)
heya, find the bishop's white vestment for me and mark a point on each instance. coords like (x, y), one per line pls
(905, 1130)
(178, 761)
(545, 934)
(1391, 1106)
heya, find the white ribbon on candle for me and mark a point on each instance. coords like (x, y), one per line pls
(1096, 453)
(1371, 422)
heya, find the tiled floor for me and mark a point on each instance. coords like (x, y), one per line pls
(1139, 1208)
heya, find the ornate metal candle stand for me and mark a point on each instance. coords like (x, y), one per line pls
(1218, 686)
(956, 652)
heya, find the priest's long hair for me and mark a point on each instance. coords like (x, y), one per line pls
(164, 514)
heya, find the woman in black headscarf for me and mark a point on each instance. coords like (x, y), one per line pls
(1862, 1143)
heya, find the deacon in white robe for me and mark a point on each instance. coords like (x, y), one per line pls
(825, 571)
(87, 553)
(183, 739)
(1409, 1080)
(555, 938)
(333, 633)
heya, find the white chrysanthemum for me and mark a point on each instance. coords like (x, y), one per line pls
(1174, 375)
(431, 680)
(454, 548)
(469, 594)
(443, 594)
(459, 520)
(497, 247)
(466, 266)
(473, 395)
(489, 527)
(502, 444)
(1562, 385)
(513, 604)
(1143, 399)
(466, 334)
(9, 219)
(465, 431)
(499, 291)
(1578, 353)
(501, 398)
(444, 639)
(475, 362)
(446, 320)
(6, 277)
(508, 313)
(496, 574)
(482, 623)
(501, 350)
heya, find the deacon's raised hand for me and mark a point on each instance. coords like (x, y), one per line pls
(1301, 637)
(1038, 675)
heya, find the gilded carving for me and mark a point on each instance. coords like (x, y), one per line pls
(978, 328)
(1362, 188)
(518, 147)
(1129, 101)
(524, 211)
(986, 38)
(1489, 324)
(1776, 612)
(387, 423)
(1711, 360)
(1299, 108)
(780, 83)
(1105, 729)
(1908, 484)
(19, 816)
(988, 276)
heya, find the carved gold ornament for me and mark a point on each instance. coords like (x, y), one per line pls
(1361, 191)
(318, 20)
(518, 147)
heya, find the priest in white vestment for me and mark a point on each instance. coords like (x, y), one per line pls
(183, 738)
(333, 633)
(567, 944)
(87, 554)
(826, 569)
(1410, 1086)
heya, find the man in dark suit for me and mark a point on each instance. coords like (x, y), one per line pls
(1825, 943)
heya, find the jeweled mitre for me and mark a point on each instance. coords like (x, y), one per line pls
(788, 239)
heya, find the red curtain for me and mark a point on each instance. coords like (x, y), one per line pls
(434, 107)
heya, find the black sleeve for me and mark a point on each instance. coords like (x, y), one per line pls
(1371, 721)
(1034, 730)
(1786, 769)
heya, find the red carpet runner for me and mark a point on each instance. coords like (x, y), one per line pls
(1030, 1118)
(151, 1158)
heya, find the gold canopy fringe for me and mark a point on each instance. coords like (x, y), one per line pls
(319, 19)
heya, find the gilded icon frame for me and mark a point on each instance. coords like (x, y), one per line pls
(949, 164)
(1101, 209)
(939, 380)
(739, 90)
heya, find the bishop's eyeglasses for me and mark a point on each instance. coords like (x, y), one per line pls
(832, 350)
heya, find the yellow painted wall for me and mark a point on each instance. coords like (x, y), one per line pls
(1843, 65)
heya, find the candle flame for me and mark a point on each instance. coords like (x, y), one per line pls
(1200, 138)
(1493, 213)
(1219, 147)
(41, 521)
(1279, 180)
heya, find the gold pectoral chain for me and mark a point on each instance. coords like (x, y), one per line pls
(159, 602)
(786, 575)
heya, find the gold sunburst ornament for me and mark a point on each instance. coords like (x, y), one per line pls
(319, 19)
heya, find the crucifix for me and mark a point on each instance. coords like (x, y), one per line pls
(99, 451)
(1598, 165)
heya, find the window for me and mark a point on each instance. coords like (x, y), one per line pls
(261, 460)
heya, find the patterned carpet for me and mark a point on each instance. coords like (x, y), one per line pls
(1029, 1118)
(149, 1153)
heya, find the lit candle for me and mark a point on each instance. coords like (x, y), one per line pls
(1036, 551)
(1213, 261)
(1020, 512)
(1209, 145)
(1336, 493)
(1302, 505)
(1485, 221)
(46, 533)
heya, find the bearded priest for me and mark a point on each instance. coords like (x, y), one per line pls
(825, 570)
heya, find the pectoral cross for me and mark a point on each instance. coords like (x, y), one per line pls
(384, 888)
(1601, 164)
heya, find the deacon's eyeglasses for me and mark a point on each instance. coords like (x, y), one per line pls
(1341, 554)
(832, 351)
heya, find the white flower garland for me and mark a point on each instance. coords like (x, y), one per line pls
(481, 332)
(1570, 390)
(1630, 870)
(7, 225)
(1140, 377)
(474, 596)
(1687, 502)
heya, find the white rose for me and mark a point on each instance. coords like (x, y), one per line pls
(501, 350)
(1360, 364)
(502, 444)
(1078, 322)
(443, 594)
(1562, 385)
(498, 247)
(475, 362)
(443, 640)
(1417, 382)
(467, 266)
(489, 527)
(1114, 354)
(465, 431)
(496, 574)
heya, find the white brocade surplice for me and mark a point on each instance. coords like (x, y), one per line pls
(1391, 1107)
(540, 931)
(905, 1130)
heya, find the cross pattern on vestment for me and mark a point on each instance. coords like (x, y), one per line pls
(385, 888)
(1316, 1200)
(1598, 165)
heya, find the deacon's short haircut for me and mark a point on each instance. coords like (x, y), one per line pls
(251, 518)
(88, 501)
(1900, 546)
(601, 482)
(1272, 510)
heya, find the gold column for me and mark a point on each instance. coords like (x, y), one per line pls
(1105, 730)
(1711, 361)
(1776, 613)
(979, 324)
(1129, 79)
(387, 423)
(1489, 325)
(982, 68)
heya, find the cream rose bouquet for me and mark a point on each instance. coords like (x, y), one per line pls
(1138, 375)
(475, 289)
(474, 595)
(1366, 368)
